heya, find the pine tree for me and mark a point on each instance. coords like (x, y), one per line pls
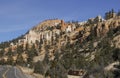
(118, 13)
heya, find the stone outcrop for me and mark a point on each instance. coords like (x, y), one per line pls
(103, 27)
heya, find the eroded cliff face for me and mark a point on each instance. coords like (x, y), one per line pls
(58, 33)
(103, 27)
(48, 30)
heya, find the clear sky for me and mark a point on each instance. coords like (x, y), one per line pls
(18, 16)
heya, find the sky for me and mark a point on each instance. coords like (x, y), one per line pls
(18, 16)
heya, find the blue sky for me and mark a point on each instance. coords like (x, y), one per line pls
(18, 16)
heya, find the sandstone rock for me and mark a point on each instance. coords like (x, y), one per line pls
(116, 41)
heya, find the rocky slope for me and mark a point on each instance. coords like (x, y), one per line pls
(54, 47)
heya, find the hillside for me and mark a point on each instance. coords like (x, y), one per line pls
(54, 47)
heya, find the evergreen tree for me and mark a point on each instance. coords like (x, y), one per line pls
(118, 13)
(20, 49)
(39, 68)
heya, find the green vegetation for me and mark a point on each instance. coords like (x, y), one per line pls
(109, 14)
